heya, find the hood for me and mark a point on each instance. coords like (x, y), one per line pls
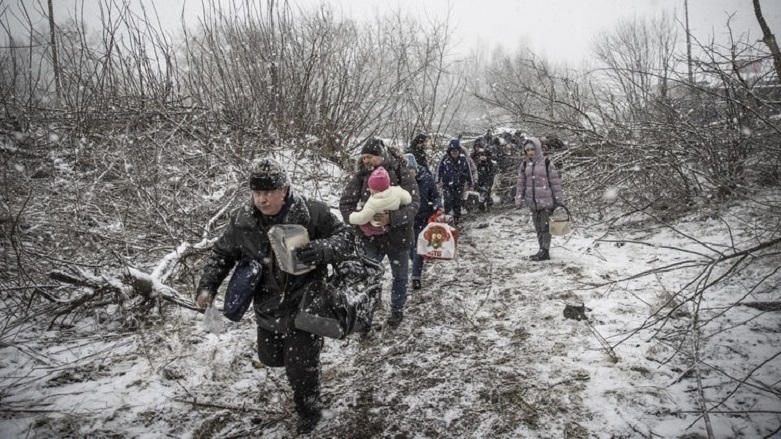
(537, 148)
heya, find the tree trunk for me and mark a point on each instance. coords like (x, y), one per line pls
(688, 42)
(55, 62)
(769, 39)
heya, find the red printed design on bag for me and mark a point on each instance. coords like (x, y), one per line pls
(437, 241)
(436, 236)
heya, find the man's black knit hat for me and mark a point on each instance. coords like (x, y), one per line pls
(373, 146)
(268, 175)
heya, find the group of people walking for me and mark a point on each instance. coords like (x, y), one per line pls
(388, 200)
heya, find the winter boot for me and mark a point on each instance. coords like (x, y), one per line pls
(415, 284)
(543, 255)
(395, 318)
(309, 409)
(535, 256)
(307, 421)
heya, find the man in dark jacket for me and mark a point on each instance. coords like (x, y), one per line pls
(418, 147)
(395, 242)
(278, 293)
(430, 202)
(485, 178)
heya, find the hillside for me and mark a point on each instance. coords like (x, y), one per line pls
(484, 351)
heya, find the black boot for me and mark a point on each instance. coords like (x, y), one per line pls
(535, 256)
(395, 318)
(543, 255)
(415, 284)
(307, 421)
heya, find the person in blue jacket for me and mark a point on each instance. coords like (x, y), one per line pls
(430, 202)
(454, 175)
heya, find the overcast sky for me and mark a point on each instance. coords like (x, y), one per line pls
(561, 30)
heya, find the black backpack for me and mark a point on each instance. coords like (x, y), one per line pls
(347, 301)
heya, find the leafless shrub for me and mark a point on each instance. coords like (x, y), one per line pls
(147, 147)
(642, 136)
(637, 127)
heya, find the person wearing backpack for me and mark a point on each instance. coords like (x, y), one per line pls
(397, 225)
(277, 294)
(539, 189)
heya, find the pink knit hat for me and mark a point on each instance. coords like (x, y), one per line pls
(379, 180)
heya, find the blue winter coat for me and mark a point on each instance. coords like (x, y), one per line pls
(454, 172)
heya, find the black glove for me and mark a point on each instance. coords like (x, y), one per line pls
(313, 253)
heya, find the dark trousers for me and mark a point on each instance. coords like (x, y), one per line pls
(299, 353)
(417, 260)
(485, 193)
(453, 196)
(540, 219)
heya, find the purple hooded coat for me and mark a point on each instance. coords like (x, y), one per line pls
(538, 188)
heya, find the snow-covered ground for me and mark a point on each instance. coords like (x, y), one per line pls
(484, 351)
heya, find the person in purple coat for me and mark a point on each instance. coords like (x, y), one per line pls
(539, 189)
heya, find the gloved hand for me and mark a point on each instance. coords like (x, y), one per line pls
(204, 299)
(314, 253)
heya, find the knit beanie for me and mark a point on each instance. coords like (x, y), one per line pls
(268, 175)
(454, 144)
(379, 180)
(411, 162)
(373, 146)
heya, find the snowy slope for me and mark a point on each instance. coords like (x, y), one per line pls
(484, 351)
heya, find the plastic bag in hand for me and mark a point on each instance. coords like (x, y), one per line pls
(212, 321)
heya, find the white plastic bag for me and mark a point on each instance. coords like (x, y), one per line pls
(438, 241)
(212, 320)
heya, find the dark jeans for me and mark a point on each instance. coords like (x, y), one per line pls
(417, 260)
(399, 262)
(540, 219)
(485, 193)
(299, 353)
(453, 196)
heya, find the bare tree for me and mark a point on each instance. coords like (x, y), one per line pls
(55, 63)
(769, 39)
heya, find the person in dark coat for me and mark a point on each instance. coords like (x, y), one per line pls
(507, 163)
(454, 175)
(485, 178)
(539, 189)
(398, 224)
(430, 202)
(418, 147)
(278, 294)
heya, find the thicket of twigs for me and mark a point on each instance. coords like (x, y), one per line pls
(122, 159)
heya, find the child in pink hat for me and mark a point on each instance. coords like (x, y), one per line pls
(384, 198)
